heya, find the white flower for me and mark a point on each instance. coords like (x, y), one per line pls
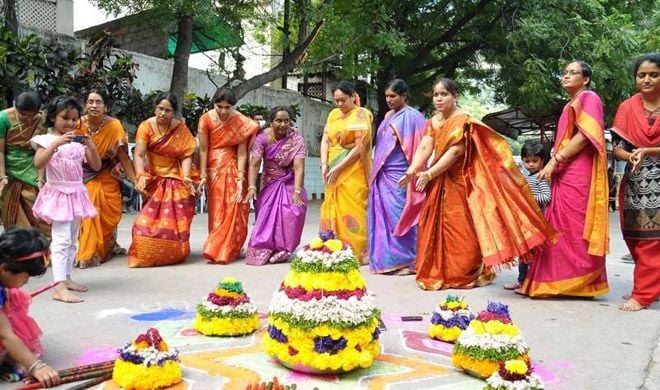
(245, 307)
(501, 342)
(353, 310)
(532, 382)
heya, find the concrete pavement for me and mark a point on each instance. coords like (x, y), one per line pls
(576, 343)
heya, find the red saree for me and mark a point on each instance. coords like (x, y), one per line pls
(161, 231)
(227, 219)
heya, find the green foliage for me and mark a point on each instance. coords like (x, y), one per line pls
(253, 109)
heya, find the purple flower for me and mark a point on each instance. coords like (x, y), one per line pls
(326, 344)
(376, 335)
(459, 321)
(130, 357)
(277, 334)
(498, 308)
(326, 235)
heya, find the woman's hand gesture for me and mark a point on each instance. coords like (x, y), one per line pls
(406, 178)
(251, 194)
(46, 376)
(545, 174)
(637, 158)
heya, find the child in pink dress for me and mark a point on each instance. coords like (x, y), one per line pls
(63, 201)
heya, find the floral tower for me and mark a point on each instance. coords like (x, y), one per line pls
(491, 338)
(322, 319)
(451, 317)
(227, 311)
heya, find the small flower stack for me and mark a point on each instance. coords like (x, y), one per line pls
(147, 363)
(450, 318)
(491, 338)
(322, 319)
(514, 375)
(227, 311)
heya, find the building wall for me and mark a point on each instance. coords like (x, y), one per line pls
(54, 16)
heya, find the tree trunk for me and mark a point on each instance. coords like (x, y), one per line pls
(181, 56)
(11, 18)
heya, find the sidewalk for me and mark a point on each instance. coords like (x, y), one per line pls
(576, 343)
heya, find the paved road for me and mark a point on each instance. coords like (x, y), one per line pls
(576, 343)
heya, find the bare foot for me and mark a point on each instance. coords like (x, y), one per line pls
(63, 295)
(403, 272)
(512, 286)
(73, 286)
(627, 296)
(631, 305)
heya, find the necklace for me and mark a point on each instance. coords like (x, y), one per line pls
(95, 129)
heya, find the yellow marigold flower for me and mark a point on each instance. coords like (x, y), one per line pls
(141, 344)
(316, 243)
(516, 366)
(478, 326)
(494, 327)
(163, 346)
(453, 305)
(229, 279)
(334, 245)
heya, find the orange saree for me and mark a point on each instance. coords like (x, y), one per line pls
(95, 239)
(227, 219)
(161, 231)
(478, 214)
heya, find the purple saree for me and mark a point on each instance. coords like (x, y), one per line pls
(391, 248)
(279, 222)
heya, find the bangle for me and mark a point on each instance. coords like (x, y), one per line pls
(252, 188)
(239, 180)
(428, 174)
(630, 158)
(36, 365)
(4, 178)
(139, 175)
(297, 190)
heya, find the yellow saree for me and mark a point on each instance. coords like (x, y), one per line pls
(344, 209)
(95, 240)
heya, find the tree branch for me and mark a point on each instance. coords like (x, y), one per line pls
(291, 61)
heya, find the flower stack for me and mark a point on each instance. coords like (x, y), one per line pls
(514, 375)
(227, 311)
(491, 338)
(322, 319)
(147, 363)
(450, 318)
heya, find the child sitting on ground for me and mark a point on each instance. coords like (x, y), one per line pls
(534, 157)
(22, 254)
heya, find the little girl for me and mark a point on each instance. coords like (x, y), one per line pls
(22, 254)
(63, 201)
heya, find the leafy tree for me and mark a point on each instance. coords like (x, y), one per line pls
(184, 12)
(518, 47)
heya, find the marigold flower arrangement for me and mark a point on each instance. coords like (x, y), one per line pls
(322, 319)
(449, 319)
(147, 363)
(491, 338)
(516, 374)
(227, 311)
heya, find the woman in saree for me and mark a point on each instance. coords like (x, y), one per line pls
(96, 237)
(282, 202)
(161, 230)
(479, 212)
(223, 136)
(575, 265)
(345, 163)
(19, 179)
(399, 134)
(636, 139)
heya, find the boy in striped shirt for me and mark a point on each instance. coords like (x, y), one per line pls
(534, 157)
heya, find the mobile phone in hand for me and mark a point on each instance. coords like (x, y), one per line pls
(81, 139)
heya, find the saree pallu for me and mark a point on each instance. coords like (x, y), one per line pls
(344, 209)
(479, 214)
(575, 265)
(96, 237)
(639, 197)
(279, 222)
(397, 138)
(21, 190)
(228, 220)
(161, 230)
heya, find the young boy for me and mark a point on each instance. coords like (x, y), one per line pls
(533, 156)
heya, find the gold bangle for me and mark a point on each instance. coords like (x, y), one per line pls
(139, 175)
(428, 174)
(252, 188)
